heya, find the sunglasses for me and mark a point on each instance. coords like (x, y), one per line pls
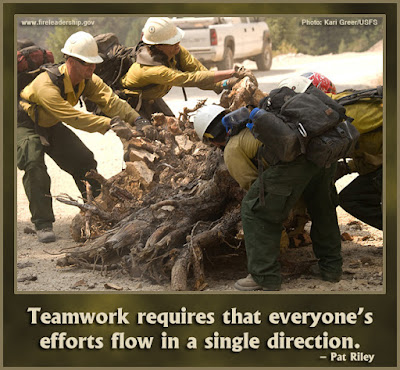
(84, 63)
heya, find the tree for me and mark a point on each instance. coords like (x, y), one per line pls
(56, 40)
(134, 34)
(319, 36)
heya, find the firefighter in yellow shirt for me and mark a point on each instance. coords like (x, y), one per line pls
(44, 105)
(161, 63)
(362, 198)
(284, 184)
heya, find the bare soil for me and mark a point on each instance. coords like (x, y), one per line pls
(363, 250)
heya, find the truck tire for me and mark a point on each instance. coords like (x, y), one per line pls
(227, 61)
(264, 60)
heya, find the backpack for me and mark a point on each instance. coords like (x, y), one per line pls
(290, 124)
(117, 59)
(365, 106)
(30, 58)
(353, 96)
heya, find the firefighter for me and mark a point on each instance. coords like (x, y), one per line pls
(362, 197)
(46, 107)
(283, 184)
(161, 63)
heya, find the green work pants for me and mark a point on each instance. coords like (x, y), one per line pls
(283, 185)
(70, 154)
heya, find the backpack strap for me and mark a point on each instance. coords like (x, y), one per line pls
(178, 65)
(124, 54)
(57, 78)
(376, 93)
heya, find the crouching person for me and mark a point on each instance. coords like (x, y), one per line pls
(362, 198)
(269, 200)
(48, 101)
(161, 63)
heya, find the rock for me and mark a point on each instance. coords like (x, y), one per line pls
(112, 286)
(79, 283)
(366, 261)
(346, 236)
(140, 172)
(29, 230)
(24, 265)
(140, 155)
(356, 225)
(184, 143)
(76, 227)
(27, 278)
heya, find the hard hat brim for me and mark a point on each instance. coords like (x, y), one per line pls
(298, 83)
(173, 40)
(213, 112)
(94, 60)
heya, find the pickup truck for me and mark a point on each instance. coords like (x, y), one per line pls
(221, 41)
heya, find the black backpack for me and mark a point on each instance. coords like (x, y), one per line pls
(366, 94)
(117, 59)
(311, 123)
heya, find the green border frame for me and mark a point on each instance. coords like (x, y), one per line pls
(20, 338)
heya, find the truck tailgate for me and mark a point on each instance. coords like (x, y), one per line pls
(196, 39)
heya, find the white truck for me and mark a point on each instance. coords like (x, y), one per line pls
(221, 41)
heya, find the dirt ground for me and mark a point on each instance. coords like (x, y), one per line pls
(363, 253)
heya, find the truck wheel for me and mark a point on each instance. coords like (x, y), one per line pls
(264, 60)
(227, 61)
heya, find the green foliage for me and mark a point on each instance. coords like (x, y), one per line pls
(285, 48)
(342, 46)
(134, 34)
(324, 35)
(56, 40)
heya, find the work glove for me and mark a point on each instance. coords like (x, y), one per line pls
(230, 82)
(241, 72)
(140, 122)
(218, 88)
(121, 128)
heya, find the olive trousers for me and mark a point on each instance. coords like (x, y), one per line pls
(282, 186)
(70, 154)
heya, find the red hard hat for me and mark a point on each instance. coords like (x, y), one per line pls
(321, 82)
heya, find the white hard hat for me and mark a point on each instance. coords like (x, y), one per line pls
(204, 116)
(298, 84)
(82, 45)
(161, 30)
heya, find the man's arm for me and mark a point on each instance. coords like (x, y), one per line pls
(110, 104)
(50, 100)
